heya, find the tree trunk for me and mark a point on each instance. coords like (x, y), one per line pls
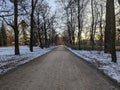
(79, 31)
(101, 28)
(68, 27)
(39, 33)
(16, 27)
(110, 30)
(92, 26)
(46, 40)
(31, 31)
(4, 36)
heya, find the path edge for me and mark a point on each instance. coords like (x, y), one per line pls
(113, 81)
(14, 68)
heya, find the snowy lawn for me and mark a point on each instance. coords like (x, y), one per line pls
(9, 61)
(101, 61)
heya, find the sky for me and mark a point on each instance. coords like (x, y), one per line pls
(52, 5)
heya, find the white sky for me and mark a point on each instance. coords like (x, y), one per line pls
(54, 7)
(52, 4)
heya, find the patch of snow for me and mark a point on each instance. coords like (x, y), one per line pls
(9, 61)
(102, 61)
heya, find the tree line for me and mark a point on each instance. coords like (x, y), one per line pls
(91, 24)
(34, 15)
(101, 31)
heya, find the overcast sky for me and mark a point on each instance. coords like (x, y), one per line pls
(52, 4)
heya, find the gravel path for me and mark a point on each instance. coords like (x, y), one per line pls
(57, 70)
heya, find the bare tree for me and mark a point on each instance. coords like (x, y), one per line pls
(119, 1)
(9, 13)
(100, 14)
(111, 29)
(24, 26)
(81, 6)
(33, 6)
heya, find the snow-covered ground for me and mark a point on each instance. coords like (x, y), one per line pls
(101, 61)
(9, 61)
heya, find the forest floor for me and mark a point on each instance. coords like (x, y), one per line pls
(58, 70)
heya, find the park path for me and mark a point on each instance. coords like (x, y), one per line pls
(57, 70)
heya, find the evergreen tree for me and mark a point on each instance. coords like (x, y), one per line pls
(4, 36)
(1, 39)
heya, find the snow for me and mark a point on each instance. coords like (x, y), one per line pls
(9, 61)
(102, 61)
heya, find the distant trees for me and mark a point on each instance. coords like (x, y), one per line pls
(70, 16)
(10, 37)
(44, 22)
(100, 22)
(96, 22)
(75, 16)
(44, 15)
(81, 6)
(102, 18)
(36, 15)
(24, 26)
(3, 36)
(40, 23)
(93, 23)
